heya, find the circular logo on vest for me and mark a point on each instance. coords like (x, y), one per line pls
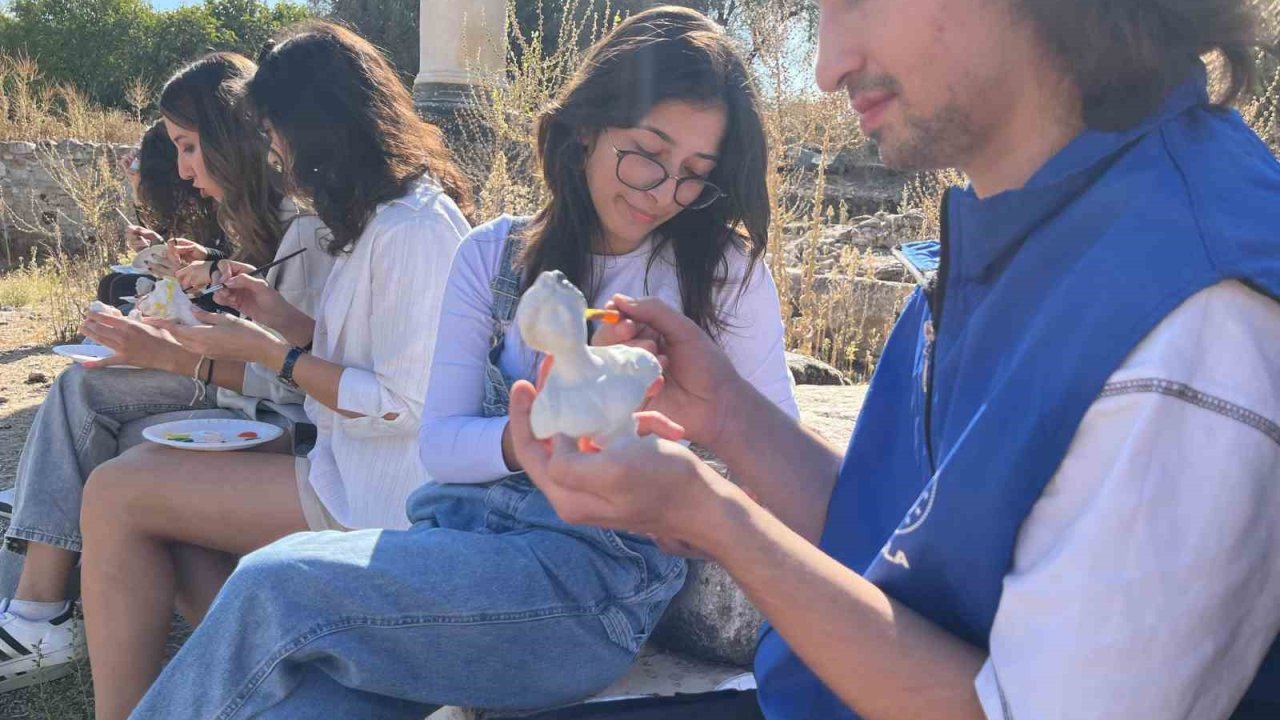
(919, 511)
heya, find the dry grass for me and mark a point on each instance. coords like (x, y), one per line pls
(827, 317)
(1262, 111)
(31, 109)
(499, 127)
(26, 285)
(72, 252)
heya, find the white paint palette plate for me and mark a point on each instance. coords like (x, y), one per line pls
(212, 434)
(85, 352)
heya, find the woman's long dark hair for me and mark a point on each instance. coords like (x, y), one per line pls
(353, 137)
(206, 97)
(168, 204)
(663, 54)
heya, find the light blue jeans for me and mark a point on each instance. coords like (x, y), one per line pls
(88, 417)
(489, 600)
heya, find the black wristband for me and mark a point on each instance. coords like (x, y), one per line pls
(208, 378)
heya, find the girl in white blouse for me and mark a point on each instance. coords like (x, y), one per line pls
(343, 127)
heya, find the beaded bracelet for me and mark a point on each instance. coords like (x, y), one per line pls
(201, 388)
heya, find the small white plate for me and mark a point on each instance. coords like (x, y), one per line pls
(85, 352)
(126, 269)
(172, 434)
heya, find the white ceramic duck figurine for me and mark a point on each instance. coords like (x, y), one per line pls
(590, 391)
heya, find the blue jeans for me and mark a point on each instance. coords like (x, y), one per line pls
(489, 601)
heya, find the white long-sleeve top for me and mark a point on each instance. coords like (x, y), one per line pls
(1146, 579)
(459, 445)
(300, 281)
(378, 317)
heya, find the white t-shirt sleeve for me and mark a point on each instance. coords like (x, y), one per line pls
(755, 339)
(458, 444)
(1146, 579)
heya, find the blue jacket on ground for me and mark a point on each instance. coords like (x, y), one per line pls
(1041, 294)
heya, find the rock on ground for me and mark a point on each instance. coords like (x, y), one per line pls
(812, 371)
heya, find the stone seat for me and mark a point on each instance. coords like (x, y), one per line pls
(656, 673)
(705, 642)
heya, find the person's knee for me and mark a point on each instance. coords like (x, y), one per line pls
(72, 377)
(79, 389)
(77, 378)
(272, 567)
(112, 491)
(301, 563)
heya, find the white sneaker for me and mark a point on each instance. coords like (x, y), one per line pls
(32, 652)
(7, 497)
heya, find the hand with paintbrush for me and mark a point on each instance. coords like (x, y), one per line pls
(222, 336)
(244, 288)
(138, 237)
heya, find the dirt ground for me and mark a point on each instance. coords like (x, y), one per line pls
(20, 395)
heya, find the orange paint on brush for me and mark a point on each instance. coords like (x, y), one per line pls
(612, 317)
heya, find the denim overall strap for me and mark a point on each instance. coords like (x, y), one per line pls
(506, 296)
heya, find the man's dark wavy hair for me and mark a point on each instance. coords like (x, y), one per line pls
(1126, 55)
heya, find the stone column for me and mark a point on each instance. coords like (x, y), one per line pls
(463, 45)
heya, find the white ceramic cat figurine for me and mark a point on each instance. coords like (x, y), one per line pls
(154, 260)
(590, 391)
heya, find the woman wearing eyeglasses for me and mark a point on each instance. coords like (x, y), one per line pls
(656, 189)
(655, 161)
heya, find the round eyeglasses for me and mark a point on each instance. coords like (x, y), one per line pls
(639, 171)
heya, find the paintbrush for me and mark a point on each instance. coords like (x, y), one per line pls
(255, 273)
(127, 221)
(612, 317)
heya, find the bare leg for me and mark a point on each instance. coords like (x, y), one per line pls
(45, 572)
(201, 573)
(135, 508)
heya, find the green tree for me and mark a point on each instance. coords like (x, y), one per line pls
(250, 23)
(96, 44)
(392, 25)
(103, 46)
(177, 37)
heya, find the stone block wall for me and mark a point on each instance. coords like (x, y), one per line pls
(34, 178)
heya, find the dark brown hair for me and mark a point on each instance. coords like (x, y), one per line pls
(663, 54)
(205, 97)
(353, 137)
(1126, 55)
(168, 204)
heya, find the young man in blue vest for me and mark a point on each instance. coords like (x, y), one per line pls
(1062, 498)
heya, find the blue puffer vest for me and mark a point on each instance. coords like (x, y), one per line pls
(1041, 294)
